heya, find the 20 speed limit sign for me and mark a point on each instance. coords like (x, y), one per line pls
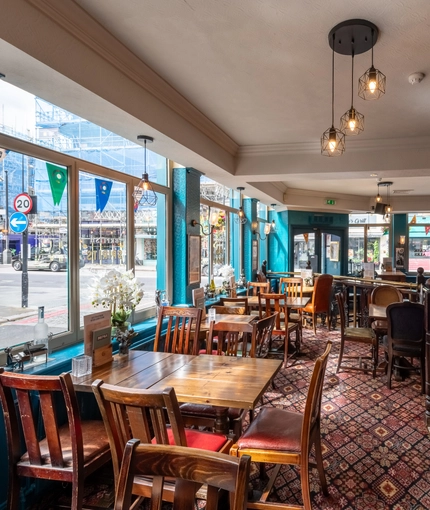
(23, 203)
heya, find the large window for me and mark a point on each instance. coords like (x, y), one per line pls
(368, 241)
(419, 241)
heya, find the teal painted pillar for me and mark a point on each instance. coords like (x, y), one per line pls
(185, 207)
(279, 243)
(399, 228)
(235, 241)
(250, 242)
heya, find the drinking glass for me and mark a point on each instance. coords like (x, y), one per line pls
(212, 314)
(81, 365)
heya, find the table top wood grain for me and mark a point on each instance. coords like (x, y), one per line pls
(226, 381)
(291, 302)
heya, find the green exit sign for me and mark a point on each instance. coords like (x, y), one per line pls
(330, 201)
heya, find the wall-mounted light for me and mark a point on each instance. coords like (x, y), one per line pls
(144, 193)
(402, 240)
(212, 226)
(241, 218)
(267, 229)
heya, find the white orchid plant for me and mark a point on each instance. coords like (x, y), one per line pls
(118, 290)
(226, 271)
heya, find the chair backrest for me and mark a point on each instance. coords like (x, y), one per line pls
(264, 329)
(144, 414)
(322, 292)
(182, 330)
(406, 324)
(274, 304)
(292, 286)
(232, 338)
(343, 311)
(232, 310)
(312, 413)
(190, 468)
(237, 301)
(254, 288)
(384, 295)
(56, 398)
(261, 277)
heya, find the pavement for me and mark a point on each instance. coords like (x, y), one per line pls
(13, 313)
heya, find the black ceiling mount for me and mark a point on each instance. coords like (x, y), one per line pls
(357, 34)
(385, 183)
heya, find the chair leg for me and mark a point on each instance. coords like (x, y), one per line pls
(328, 319)
(320, 466)
(77, 494)
(375, 356)
(314, 322)
(304, 479)
(342, 346)
(13, 492)
(389, 370)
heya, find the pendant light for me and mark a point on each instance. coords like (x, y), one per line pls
(371, 84)
(388, 209)
(378, 197)
(240, 218)
(332, 140)
(352, 122)
(144, 193)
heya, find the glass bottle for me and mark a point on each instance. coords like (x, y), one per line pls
(41, 329)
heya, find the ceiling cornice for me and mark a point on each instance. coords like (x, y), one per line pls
(71, 17)
(416, 143)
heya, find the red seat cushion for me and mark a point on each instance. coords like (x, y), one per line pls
(273, 429)
(201, 440)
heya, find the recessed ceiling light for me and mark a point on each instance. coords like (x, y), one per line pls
(373, 175)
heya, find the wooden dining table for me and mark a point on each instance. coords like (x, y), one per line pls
(221, 381)
(292, 302)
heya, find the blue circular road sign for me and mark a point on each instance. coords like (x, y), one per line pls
(18, 222)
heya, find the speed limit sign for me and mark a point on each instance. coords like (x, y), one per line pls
(23, 203)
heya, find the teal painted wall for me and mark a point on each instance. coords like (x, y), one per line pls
(250, 210)
(399, 228)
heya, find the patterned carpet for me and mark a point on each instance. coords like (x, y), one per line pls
(375, 444)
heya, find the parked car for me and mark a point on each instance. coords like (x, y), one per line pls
(55, 262)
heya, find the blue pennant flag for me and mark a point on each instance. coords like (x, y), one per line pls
(102, 193)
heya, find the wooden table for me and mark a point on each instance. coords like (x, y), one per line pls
(230, 318)
(223, 381)
(292, 303)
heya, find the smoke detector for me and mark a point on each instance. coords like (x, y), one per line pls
(416, 78)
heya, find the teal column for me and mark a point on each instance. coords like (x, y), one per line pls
(279, 243)
(399, 228)
(235, 240)
(185, 207)
(250, 210)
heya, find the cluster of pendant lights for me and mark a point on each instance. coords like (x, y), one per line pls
(352, 37)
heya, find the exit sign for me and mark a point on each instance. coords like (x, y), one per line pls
(330, 201)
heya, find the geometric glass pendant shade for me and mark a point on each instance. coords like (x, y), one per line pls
(371, 85)
(144, 193)
(352, 122)
(332, 140)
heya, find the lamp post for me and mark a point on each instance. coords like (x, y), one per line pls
(7, 259)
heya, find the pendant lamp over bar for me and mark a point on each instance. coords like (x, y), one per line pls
(332, 140)
(371, 85)
(352, 122)
(144, 193)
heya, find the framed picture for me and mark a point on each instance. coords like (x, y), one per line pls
(254, 255)
(194, 254)
(400, 257)
(334, 251)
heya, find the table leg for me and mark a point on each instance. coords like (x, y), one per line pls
(221, 420)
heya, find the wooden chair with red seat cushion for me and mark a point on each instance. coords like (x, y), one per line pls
(321, 299)
(182, 330)
(152, 417)
(277, 436)
(68, 452)
(190, 469)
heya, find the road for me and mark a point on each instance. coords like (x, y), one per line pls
(50, 290)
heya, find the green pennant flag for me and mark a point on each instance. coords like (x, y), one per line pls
(58, 180)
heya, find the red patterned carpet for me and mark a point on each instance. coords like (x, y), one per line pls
(375, 444)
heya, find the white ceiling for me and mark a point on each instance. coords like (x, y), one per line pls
(260, 71)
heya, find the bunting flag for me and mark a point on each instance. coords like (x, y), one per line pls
(413, 220)
(58, 180)
(102, 193)
(306, 238)
(427, 230)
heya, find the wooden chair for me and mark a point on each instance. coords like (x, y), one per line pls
(271, 304)
(357, 336)
(183, 330)
(321, 299)
(263, 338)
(277, 436)
(231, 340)
(241, 302)
(68, 452)
(261, 277)
(293, 287)
(229, 310)
(190, 469)
(405, 337)
(254, 288)
(150, 416)
(383, 295)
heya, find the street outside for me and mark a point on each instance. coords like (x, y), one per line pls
(49, 289)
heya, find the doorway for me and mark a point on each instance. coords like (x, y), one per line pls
(323, 248)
